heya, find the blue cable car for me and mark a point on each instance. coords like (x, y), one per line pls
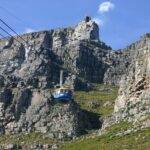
(63, 93)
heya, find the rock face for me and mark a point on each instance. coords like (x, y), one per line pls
(135, 86)
(29, 69)
(26, 110)
(37, 62)
(133, 102)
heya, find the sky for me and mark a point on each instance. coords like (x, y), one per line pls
(121, 22)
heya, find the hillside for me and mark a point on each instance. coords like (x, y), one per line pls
(111, 100)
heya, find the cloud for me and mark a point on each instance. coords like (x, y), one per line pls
(98, 21)
(103, 8)
(29, 30)
(106, 7)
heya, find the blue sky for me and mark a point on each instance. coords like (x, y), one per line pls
(121, 23)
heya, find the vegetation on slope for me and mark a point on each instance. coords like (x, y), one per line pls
(100, 100)
(29, 138)
(111, 141)
(104, 97)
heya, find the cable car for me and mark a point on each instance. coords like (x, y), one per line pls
(63, 93)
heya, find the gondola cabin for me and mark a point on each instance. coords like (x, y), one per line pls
(63, 94)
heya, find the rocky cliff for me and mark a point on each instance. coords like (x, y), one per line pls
(134, 97)
(133, 102)
(37, 61)
(30, 65)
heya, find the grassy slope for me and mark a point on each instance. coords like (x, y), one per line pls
(26, 139)
(134, 141)
(101, 94)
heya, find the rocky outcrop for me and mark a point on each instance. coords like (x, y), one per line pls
(28, 110)
(121, 61)
(37, 61)
(133, 102)
(118, 62)
(135, 86)
(30, 65)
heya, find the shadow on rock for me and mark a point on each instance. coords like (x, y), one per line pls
(92, 120)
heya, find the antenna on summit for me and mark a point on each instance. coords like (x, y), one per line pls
(87, 18)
